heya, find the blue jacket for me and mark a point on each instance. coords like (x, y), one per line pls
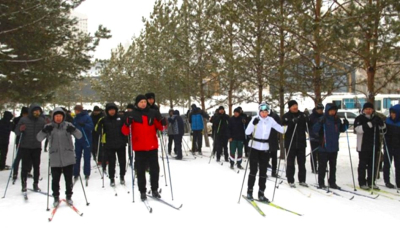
(84, 123)
(196, 118)
(329, 129)
(392, 135)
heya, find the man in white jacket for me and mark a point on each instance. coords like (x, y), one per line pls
(260, 127)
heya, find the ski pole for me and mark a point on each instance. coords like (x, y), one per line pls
(312, 155)
(247, 164)
(373, 162)
(12, 169)
(169, 171)
(351, 162)
(277, 171)
(48, 174)
(83, 189)
(389, 156)
(131, 162)
(162, 156)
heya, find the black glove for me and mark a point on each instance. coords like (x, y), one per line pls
(128, 121)
(256, 120)
(82, 124)
(377, 122)
(346, 122)
(164, 121)
(47, 128)
(70, 129)
(295, 120)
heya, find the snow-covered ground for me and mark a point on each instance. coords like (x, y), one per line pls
(210, 218)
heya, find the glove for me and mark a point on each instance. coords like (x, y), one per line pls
(22, 128)
(346, 122)
(256, 120)
(48, 128)
(295, 120)
(82, 124)
(128, 121)
(377, 122)
(70, 129)
(164, 121)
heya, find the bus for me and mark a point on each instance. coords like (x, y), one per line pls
(382, 104)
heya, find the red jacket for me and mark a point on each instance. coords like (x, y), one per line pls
(144, 136)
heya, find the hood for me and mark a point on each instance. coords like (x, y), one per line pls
(58, 111)
(176, 112)
(395, 109)
(328, 107)
(32, 107)
(111, 105)
(7, 115)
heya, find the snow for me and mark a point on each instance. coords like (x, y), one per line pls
(210, 218)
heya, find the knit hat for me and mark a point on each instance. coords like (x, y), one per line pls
(7, 115)
(130, 106)
(193, 106)
(320, 106)
(96, 108)
(59, 112)
(264, 107)
(236, 110)
(150, 95)
(24, 110)
(79, 108)
(291, 103)
(139, 98)
(221, 107)
(368, 105)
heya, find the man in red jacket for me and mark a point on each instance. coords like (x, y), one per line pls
(143, 123)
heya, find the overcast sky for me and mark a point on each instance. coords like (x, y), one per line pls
(122, 17)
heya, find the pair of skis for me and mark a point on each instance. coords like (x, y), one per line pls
(254, 204)
(53, 212)
(150, 209)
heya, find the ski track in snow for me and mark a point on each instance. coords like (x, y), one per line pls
(210, 218)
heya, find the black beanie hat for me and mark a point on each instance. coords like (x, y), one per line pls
(130, 106)
(320, 106)
(368, 105)
(139, 98)
(24, 110)
(237, 110)
(221, 107)
(291, 103)
(193, 106)
(96, 108)
(150, 95)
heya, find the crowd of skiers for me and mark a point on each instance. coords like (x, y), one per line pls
(103, 137)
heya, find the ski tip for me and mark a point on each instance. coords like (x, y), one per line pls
(49, 219)
(81, 214)
(352, 197)
(180, 206)
(116, 194)
(87, 204)
(151, 210)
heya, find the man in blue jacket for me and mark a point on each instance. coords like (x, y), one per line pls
(329, 128)
(392, 148)
(84, 123)
(197, 125)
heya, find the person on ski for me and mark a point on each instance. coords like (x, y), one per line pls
(5, 131)
(96, 115)
(328, 128)
(317, 113)
(392, 148)
(30, 148)
(236, 135)
(220, 129)
(366, 126)
(84, 123)
(295, 142)
(177, 127)
(24, 113)
(260, 128)
(62, 156)
(196, 116)
(114, 141)
(142, 123)
(170, 132)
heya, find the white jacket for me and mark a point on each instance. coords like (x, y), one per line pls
(263, 130)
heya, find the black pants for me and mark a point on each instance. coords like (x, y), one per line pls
(170, 141)
(365, 167)
(394, 155)
(300, 154)
(274, 160)
(221, 143)
(197, 140)
(16, 162)
(56, 176)
(3, 155)
(111, 157)
(30, 158)
(324, 158)
(178, 145)
(258, 159)
(314, 156)
(142, 160)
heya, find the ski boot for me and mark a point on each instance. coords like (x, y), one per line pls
(232, 164)
(122, 180)
(389, 185)
(112, 182)
(56, 201)
(250, 195)
(143, 196)
(239, 166)
(69, 200)
(304, 184)
(23, 183)
(36, 187)
(261, 197)
(155, 194)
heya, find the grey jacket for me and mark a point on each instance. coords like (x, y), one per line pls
(33, 126)
(61, 147)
